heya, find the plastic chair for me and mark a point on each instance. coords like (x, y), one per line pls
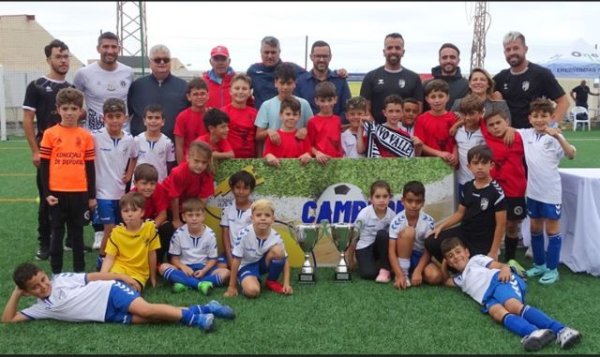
(581, 111)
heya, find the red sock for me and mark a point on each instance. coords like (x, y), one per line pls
(275, 286)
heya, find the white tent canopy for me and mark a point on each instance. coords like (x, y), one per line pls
(579, 60)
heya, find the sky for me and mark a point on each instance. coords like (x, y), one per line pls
(354, 30)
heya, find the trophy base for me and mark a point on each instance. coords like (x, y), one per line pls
(304, 278)
(343, 277)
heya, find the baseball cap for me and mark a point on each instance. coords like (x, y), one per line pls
(219, 51)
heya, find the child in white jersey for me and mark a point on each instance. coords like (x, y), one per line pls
(152, 145)
(356, 111)
(501, 292)
(544, 147)
(409, 259)
(100, 297)
(467, 136)
(372, 245)
(259, 249)
(115, 161)
(193, 253)
(237, 214)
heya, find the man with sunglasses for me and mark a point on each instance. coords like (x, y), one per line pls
(103, 79)
(159, 87)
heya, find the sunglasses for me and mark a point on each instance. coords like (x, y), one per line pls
(159, 60)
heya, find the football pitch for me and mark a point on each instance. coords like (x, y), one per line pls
(360, 317)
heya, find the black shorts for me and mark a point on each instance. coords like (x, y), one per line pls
(516, 208)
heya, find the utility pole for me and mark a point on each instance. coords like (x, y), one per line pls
(132, 30)
(479, 32)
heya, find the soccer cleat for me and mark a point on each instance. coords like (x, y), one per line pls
(274, 286)
(567, 337)
(549, 277)
(205, 287)
(537, 270)
(204, 321)
(219, 310)
(537, 339)
(516, 267)
(97, 240)
(383, 276)
(42, 254)
(178, 288)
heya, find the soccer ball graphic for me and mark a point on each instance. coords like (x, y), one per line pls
(340, 202)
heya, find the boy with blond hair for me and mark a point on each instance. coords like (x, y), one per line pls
(259, 249)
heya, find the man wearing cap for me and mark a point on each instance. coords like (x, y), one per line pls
(219, 78)
(159, 87)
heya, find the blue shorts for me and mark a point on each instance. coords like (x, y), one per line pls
(107, 212)
(253, 269)
(200, 266)
(120, 297)
(222, 259)
(414, 260)
(499, 292)
(537, 209)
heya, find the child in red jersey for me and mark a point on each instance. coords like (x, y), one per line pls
(290, 146)
(433, 126)
(325, 128)
(509, 172)
(242, 132)
(189, 124)
(156, 205)
(217, 124)
(191, 178)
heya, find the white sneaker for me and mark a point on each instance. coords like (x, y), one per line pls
(537, 339)
(567, 337)
(97, 240)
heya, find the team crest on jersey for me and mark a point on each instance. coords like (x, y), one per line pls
(484, 204)
(123, 84)
(402, 83)
(518, 210)
(380, 81)
(525, 86)
(78, 142)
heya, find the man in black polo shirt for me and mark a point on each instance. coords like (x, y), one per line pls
(580, 94)
(525, 81)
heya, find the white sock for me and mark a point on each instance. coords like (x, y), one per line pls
(404, 266)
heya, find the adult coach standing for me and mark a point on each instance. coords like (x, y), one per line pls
(103, 79)
(263, 73)
(580, 94)
(449, 71)
(320, 55)
(159, 87)
(391, 78)
(525, 81)
(40, 102)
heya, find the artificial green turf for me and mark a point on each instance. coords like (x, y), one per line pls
(361, 317)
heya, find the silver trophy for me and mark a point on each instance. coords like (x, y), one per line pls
(342, 235)
(307, 236)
